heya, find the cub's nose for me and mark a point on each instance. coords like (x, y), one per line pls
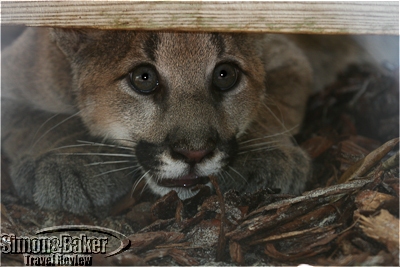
(192, 146)
(193, 156)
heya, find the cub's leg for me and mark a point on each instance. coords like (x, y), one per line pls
(52, 168)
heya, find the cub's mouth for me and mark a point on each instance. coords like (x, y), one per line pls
(169, 167)
(185, 181)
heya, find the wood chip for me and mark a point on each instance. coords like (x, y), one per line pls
(236, 253)
(361, 167)
(182, 258)
(383, 228)
(392, 162)
(143, 241)
(371, 201)
(314, 230)
(313, 194)
(165, 207)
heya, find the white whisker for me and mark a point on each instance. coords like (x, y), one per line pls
(259, 144)
(281, 122)
(69, 146)
(117, 170)
(138, 167)
(244, 179)
(229, 180)
(268, 148)
(228, 177)
(52, 128)
(268, 136)
(88, 143)
(221, 176)
(41, 126)
(97, 154)
(137, 182)
(272, 102)
(145, 185)
(108, 162)
(117, 139)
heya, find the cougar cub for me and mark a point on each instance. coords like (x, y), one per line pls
(87, 114)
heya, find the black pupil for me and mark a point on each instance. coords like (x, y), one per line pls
(223, 73)
(145, 76)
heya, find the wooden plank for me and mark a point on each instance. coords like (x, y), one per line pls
(301, 17)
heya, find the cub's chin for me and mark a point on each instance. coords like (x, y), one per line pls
(185, 186)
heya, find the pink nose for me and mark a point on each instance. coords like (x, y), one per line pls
(193, 156)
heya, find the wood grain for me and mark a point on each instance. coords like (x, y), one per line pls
(232, 16)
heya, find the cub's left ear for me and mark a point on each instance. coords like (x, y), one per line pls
(71, 41)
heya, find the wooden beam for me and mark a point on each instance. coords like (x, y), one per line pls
(232, 16)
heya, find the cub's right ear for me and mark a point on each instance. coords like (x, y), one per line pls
(71, 41)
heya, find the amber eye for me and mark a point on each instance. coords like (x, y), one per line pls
(225, 76)
(144, 79)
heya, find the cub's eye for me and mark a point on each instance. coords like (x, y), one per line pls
(144, 79)
(225, 76)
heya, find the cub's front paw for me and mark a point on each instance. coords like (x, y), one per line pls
(72, 183)
(287, 168)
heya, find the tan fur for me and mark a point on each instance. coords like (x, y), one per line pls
(60, 86)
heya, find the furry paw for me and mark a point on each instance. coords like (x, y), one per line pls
(287, 168)
(71, 183)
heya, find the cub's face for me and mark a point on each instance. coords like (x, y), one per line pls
(180, 99)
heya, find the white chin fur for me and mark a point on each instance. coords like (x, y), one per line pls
(183, 193)
(176, 168)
